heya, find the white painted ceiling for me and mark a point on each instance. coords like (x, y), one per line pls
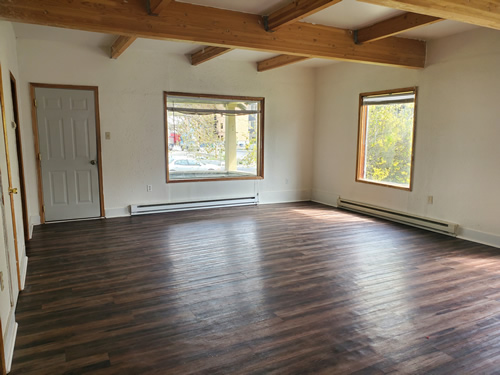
(348, 14)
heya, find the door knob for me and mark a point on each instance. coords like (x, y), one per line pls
(12, 190)
(92, 162)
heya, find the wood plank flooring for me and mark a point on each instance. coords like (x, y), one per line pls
(274, 289)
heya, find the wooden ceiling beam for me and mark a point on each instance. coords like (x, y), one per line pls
(278, 62)
(155, 7)
(120, 45)
(208, 53)
(295, 11)
(215, 27)
(484, 13)
(393, 26)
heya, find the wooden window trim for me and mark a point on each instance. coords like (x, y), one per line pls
(260, 136)
(360, 159)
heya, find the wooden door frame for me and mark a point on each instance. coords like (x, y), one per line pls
(20, 160)
(3, 366)
(9, 176)
(34, 119)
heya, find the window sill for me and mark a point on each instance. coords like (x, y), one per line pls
(212, 176)
(386, 184)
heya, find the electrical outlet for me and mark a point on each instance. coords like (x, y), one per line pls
(430, 199)
(149, 188)
(107, 135)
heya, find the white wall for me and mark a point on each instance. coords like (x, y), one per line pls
(131, 108)
(457, 151)
(456, 140)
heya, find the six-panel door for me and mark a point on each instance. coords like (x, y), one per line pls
(68, 146)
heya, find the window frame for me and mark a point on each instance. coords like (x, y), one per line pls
(360, 159)
(260, 135)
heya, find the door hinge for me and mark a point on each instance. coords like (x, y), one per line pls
(34, 103)
(39, 156)
(43, 208)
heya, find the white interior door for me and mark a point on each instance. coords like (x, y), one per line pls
(7, 274)
(7, 259)
(68, 149)
(6, 277)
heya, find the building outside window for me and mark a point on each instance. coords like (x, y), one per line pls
(213, 137)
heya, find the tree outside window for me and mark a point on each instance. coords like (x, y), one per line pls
(386, 138)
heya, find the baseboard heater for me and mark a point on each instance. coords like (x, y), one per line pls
(144, 209)
(400, 217)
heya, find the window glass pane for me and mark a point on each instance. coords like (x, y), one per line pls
(387, 147)
(217, 138)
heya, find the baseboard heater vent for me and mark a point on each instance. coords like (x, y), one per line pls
(145, 209)
(400, 217)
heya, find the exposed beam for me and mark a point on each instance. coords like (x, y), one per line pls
(484, 13)
(211, 26)
(155, 7)
(295, 11)
(278, 62)
(393, 26)
(120, 45)
(208, 53)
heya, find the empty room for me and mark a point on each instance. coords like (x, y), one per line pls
(249, 187)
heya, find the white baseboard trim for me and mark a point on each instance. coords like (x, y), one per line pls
(24, 271)
(266, 197)
(324, 197)
(32, 221)
(284, 196)
(117, 212)
(490, 239)
(484, 238)
(10, 339)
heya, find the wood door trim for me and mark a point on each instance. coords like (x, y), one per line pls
(34, 119)
(99, 154)
(20, 159)
(3, 366)
(9, 175)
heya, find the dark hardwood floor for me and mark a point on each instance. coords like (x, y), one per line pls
(274, 289)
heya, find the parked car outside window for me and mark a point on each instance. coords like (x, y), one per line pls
(187, 164)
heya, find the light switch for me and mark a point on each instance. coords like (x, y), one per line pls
(107, 135)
